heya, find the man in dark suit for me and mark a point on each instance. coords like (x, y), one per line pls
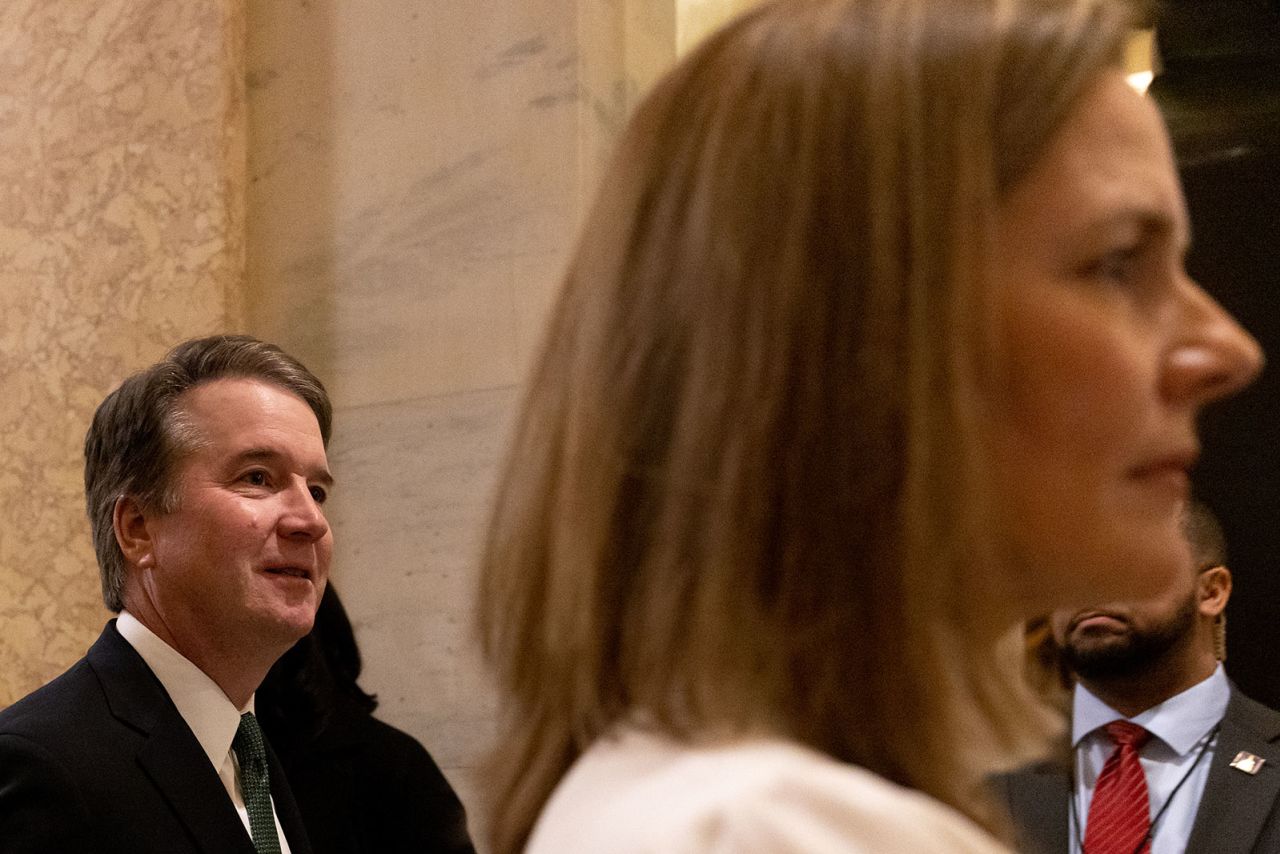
(1192, 765)
(205, 477)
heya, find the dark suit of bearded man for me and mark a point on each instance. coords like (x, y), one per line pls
(1239, 811)
(1208, 766)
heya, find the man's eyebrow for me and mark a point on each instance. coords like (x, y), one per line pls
(321, 476)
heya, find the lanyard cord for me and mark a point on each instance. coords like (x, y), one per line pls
(1206, 741)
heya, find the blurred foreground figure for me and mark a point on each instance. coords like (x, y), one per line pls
(363, 787)
(1166, 755)
(877, 342)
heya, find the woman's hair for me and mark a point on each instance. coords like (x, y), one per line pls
(745, 492)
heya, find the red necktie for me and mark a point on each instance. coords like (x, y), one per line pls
(1119, 815)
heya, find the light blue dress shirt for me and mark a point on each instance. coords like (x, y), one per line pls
(1181, 729)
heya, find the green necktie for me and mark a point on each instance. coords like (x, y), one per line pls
(255, 782)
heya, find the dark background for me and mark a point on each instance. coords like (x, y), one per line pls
(1219, 90)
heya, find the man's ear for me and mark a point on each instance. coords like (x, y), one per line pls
(1213, 589)
(132, 534)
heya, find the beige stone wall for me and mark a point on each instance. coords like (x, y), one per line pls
(121, 176)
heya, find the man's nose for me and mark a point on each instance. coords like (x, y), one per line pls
(302, 516)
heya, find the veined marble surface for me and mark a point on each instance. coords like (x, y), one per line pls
(121, 226)
(415, 484)
(418, 172)
(414, 187)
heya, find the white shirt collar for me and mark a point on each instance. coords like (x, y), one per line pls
(1180, 721)
(213, 718)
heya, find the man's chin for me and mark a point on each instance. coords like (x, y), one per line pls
(298, 626)
(1098, 642)
(1098, 655)
(287, 626)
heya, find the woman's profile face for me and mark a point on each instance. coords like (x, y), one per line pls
(1108, 351)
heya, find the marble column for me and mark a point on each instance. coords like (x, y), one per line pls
(121, 232)
(418, 171)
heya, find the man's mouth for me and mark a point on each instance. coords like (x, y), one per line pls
(291, 571)
(1097, 620)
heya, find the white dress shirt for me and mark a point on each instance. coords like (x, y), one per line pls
(1183, 730)
(213, 718)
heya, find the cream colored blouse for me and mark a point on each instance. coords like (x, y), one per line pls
(638, 793)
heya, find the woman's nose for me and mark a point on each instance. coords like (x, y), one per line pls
(1214, 356)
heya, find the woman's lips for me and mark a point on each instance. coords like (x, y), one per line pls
(1170, 477)
(1171, 472)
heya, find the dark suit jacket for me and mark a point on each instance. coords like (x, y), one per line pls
(99, 761)
(365, 787)
(1238, 813)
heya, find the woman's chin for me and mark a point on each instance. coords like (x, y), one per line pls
(1133, 566)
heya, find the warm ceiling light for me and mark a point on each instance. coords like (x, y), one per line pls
(1140, 59)
(1140, 80)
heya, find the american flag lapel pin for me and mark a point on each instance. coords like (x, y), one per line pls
(1248, 763)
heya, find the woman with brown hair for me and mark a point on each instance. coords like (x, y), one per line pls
(877, 341)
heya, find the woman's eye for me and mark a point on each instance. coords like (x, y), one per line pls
(1117, 266)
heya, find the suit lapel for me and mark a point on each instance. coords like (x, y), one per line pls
(1037, 799)
(286, 807)
(1235, 805)
(169, 754)
(181, 771)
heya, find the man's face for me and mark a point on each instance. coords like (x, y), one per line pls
(245, 557)
(1122, 639)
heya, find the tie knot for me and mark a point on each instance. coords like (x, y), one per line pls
(1125, 733)
(248, 744)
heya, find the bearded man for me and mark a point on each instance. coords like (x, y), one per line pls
(1166, 755)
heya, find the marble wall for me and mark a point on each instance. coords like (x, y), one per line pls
(418, 169)
(121, 232)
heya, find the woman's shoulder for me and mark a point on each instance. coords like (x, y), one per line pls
(636, 792)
